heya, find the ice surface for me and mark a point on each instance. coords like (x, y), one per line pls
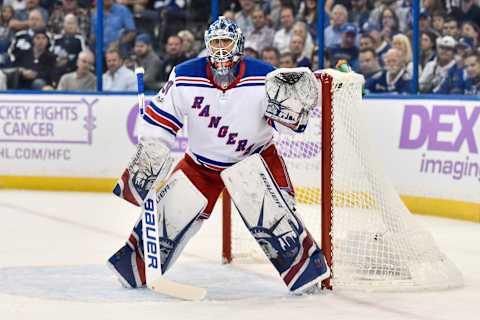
(52, 266)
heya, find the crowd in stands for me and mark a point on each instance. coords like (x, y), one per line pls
(50, 45)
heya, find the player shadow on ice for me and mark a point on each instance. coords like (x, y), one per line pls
(96, 283)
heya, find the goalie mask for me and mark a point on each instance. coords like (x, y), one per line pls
(224, 41)
(292, 93)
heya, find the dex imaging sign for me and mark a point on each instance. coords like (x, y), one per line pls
(440, 128)
(448, 137)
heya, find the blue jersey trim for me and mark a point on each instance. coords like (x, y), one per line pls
(193, 85)
(213, 162)
(152, 122)
(165, 114)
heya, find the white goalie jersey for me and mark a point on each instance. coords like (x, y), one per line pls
(224, 126)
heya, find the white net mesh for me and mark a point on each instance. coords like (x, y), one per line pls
(376, 242)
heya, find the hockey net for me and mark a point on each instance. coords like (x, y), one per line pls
(370, 239)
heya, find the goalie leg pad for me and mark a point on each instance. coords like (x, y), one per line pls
(274, 225)
(178, 221)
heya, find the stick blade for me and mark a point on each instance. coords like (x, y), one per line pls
(178, 290)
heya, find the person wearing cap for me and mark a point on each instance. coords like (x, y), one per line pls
(36, 67)
(346, 50)
(436, 71)
(464, 47)
(394, 78)
(472, 68)
(146, 58)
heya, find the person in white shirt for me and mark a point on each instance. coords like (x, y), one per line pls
(281, 41)
(118, 77)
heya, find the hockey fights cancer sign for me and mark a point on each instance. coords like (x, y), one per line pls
(44, 129)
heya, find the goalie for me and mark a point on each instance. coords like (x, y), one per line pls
(231, 122)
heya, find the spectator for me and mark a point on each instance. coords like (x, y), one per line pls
(401, 42)
(281, 40)
(118, 77)
(347, 49)
(297, 44)
(262, 35)
(230, 15)
(314, 59)
(174, 15)
(427, 48)
(145, 20)
(3, 81)
(333, 33)
(470, 29)
(464, 47)
(470, 11)
(67, 46)
(436, 71)
(394, 77)
(23, 40)
(188, 43)
(35, 65)
(6, 34)
(388, 23)
(174, 56)
(55, 23)
(146, 58)
(82, 79)
(360, 12)
(17, 5)
(451, 28)
(438, 20)
(287, 60)
(368, 65)
(380, 45)
(20, 20)
(118, 24)
(308, 14)
(402, 13)
(366, 41)
(243, 18)
(250, 52)
(472, 68)
(271, 55)
(300, 29)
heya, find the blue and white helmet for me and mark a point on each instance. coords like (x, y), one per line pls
(222, 57)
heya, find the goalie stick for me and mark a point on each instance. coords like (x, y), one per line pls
(151, 244)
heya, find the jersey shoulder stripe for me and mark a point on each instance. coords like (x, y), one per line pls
(166, 115)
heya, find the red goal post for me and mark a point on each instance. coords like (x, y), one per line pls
(370, 239)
